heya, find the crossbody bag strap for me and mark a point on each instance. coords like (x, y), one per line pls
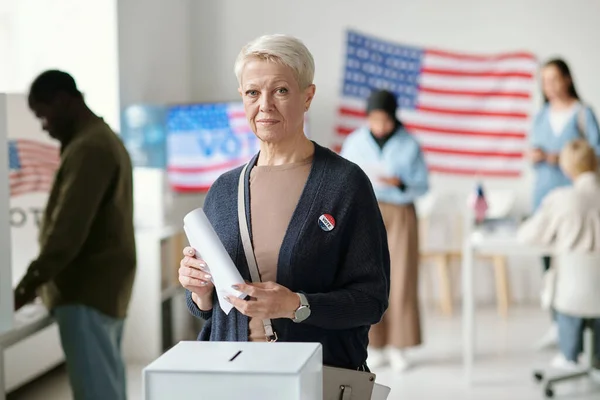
(249, 250)
(581, 124)
(582, 127)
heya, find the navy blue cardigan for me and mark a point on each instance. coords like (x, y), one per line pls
(345, 273)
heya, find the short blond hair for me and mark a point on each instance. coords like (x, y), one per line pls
(578, 157)
(283, 49)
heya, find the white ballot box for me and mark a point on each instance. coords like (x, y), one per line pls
(235, 371)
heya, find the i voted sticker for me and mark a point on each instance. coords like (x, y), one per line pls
(326, 222)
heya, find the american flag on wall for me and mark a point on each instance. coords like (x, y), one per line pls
(204, 141)
(469, 112)
(32, 165)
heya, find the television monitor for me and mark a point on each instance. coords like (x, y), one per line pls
(143, 133)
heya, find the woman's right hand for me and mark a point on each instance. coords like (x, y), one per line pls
(537, 155)
(194, 275)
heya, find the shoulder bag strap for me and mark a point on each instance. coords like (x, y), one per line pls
(248, 249)
(581, 122)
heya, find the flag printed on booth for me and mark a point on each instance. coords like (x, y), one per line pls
(204, 141)
(469, 112)
(32, 165)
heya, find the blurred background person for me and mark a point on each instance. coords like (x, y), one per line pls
(569, 220)
(395, 164)
(563, 117)
(86, 265)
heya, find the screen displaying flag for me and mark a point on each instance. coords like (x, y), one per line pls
(469, 112)
(32, 165)
(204, 141)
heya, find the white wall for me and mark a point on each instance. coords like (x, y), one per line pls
(5, 42)
(156, 41)
(77, 36)
(154, 51)
(546, 27)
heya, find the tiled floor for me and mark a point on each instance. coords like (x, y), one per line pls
(503, 368)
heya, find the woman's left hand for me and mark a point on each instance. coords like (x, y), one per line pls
(267, 300)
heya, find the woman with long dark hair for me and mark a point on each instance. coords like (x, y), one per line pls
(563, 118)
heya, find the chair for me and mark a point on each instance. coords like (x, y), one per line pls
(430, 208)
(447, 207)
(575, 293)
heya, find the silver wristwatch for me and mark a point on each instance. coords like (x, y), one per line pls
(302, 312)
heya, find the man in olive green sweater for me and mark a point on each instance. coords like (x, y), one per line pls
(86, 265)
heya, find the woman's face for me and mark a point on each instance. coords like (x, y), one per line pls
(273, 101)
(554, 84)
(380, 123)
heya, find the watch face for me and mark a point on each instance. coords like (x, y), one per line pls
(302, 313)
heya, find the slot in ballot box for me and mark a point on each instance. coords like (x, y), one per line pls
(236, 371)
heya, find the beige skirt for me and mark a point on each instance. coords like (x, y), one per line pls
(401, 324)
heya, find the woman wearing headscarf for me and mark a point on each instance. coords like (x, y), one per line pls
(394, 162)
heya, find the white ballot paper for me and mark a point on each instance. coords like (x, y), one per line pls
(380, 392)
(374, 172)
(204, 240)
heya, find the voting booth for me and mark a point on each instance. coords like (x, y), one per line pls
(29, 342)
(6, 298)
(236, 370)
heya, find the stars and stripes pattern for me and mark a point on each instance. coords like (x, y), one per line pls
(32, 166)
(469, 112)
(204, 141)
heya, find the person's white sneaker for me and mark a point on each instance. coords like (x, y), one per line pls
(398, 360)
(560, 362)
(549, 340)
(376, 357)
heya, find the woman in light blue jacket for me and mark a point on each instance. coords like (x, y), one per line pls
(562, 119)
(394, 162)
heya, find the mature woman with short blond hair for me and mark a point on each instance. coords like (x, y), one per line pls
(316, 231)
